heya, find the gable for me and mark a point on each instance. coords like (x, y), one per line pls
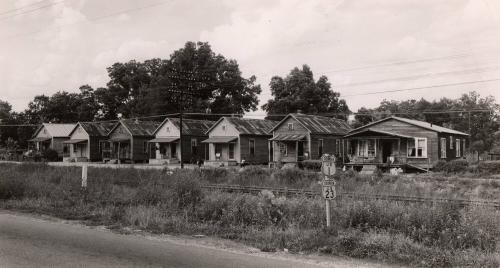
(79, 133)
(168, 130)
(400, 127)
(119, 132)
(297, 126)
(219, 130)
(43, 133)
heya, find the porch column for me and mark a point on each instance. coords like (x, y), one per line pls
(399, 147)
(297, 151)
(269, 151)
(119, 149)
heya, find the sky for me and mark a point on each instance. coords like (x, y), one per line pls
(414, 48)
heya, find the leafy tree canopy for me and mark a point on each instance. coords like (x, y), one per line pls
(299, 91)
(483, 124)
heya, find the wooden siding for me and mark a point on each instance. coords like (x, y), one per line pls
(329, 145)
(297, 127)
(58, 145)
(218, 130)
(261, 155)
(407, 129)
(168, 130)
(120, 132)
(451, 153)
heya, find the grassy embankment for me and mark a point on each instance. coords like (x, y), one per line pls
(416, 234)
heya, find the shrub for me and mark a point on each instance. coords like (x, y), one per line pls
(454, 166)
(314, 165)
(490, 167)
(11, 189)
(50, 155)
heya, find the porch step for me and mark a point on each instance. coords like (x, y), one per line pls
(368, 169)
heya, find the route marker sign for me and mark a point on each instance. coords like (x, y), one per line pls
(328, 169)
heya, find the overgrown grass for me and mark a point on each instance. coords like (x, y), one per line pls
(423, 235)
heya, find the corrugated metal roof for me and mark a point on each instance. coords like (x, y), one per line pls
(190, 126)
(224, 139)
(248, 126)
(57, 130)
(37, 139)
(378, 132)
(288, 137)
(165, 140)
(140, 128)
(97, 128)
(422, 124)
(320, 124)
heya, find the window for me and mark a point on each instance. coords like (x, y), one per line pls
(231, 151)
(443, 147)
(168, 129)
(223, 127)
(337, 146)
(75, 148)
(251, 145)
(290, 126)
(366, 148)
(194, 147)
(417, 147)
(457, 146)
(451, 142)
(145, 148)
(283, 149)
(320, 148)
(463, 146)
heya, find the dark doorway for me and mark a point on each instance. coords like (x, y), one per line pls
(300, 150)
(173, 150)
(386, 150)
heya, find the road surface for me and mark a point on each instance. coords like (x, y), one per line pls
(29, 241)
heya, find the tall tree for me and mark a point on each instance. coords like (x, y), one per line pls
(299, 91)
(151, 87)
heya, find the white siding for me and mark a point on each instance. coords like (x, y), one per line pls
(229, 130)
(168, 130)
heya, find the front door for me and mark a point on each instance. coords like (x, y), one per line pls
(386, 150)
(300, 150)
(173, 150)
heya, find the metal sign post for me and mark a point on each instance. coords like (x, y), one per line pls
(328, 169)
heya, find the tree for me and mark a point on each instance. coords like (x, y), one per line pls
(150, 87)
(480, 116)
(299, 91)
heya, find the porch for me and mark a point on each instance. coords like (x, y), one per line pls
(380, 149)
(39, 144)
(164, 150)
(76, 150)
(289, 148)
(222, 151)
(120, 150)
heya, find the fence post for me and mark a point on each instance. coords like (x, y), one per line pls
(84, 175)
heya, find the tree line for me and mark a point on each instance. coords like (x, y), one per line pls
(212, 83)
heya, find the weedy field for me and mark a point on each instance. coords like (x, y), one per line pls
(425, 235)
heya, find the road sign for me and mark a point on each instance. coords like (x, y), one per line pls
(328, 165)
(329, 192)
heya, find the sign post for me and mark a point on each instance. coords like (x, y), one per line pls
(329, 193)
(84, 175)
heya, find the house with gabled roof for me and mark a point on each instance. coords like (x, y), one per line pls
(88, 141)
(51, 136)
(165, 147)
(402, 142)
(236, 140)
(129, 139)
(300, 137)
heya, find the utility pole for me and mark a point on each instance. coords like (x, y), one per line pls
(189, 78)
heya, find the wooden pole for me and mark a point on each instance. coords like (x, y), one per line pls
(328, 223)
(84, 175)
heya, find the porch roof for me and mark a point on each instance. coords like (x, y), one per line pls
(165, 140)
(377, 131)
(220, 139)
(37, 139)
(119, 140)
(74, 141)
(288, 137)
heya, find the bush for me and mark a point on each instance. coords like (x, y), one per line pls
(50, 155)
(454, 166)
(314, 165)
(11, 189)
(489, 167)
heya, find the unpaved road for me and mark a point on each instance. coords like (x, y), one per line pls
(32, 241)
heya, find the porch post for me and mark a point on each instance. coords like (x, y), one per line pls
(399, 147)
(297, 151)
(118, 156)
(269, 151)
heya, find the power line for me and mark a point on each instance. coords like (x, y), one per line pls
(32, 10)
(22, 7)
(92, 19)
(426, 87)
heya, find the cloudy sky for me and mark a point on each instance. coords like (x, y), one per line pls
(363, 46)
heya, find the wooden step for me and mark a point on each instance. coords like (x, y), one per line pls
(368, 169)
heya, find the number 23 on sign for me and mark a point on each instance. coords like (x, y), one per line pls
(329, 192)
